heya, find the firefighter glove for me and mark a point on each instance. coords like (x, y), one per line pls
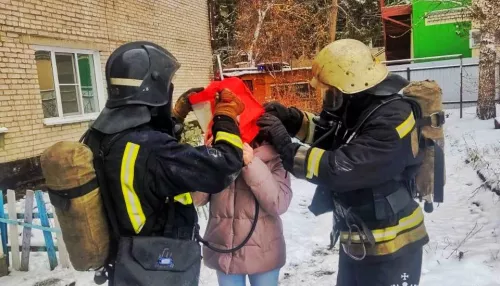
(177, 129)
(182, 106)
(291, 118)
(228, 104)
(274, 130)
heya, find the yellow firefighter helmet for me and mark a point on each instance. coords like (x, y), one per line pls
(347, 65)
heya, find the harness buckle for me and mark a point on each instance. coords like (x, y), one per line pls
(440, 119)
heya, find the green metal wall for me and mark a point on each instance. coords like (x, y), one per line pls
(438, 40)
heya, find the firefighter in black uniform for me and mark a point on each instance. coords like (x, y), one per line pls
(146, 164)
(363, 160)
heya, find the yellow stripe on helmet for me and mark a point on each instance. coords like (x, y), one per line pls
(132, 203)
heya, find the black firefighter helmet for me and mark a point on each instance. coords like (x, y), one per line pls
(139, 78)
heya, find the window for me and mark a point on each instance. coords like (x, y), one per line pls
(474, 38)
(249, 84)
(303, 90)
(300, 89)
(69, 85)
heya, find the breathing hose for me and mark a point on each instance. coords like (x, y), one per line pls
(252, 229)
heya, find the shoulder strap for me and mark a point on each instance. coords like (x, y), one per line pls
(169, 225)
(423, 121)
(104, 144)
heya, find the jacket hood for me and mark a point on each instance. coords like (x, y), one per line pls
(266, 152)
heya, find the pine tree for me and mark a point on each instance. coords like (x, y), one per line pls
(224, 20)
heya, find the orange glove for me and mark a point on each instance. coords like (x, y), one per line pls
(182, 106)
(228, 104)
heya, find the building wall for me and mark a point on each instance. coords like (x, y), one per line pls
(438, 39)
(181, 26)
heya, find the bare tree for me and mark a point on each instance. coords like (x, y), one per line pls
(487, 13)
(278, 30)
(251, 17)
(281, 30)
(262, 12)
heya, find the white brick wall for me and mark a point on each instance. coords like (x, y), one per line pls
(181, 26)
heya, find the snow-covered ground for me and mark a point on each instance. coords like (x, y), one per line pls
(464, 248)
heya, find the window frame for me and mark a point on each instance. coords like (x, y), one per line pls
(101, 95)
(249, 84)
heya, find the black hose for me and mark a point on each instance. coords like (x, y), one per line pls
(324, 136)
(252, 229)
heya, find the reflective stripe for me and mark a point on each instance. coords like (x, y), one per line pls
(313, 162)
(389, 247)
(306, 131)
(134, 208)
(126, 81)
(312, 127)
(184, 199)
(404, 128)
(230, 138)
(389, 233)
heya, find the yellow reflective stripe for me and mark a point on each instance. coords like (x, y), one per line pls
(184, 199)
(389, 233)
(230, 138)
(134, 208)
(126, 81)
(404, 128)
(313, 162)
(388, 247)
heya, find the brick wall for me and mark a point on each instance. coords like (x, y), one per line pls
(181, 26)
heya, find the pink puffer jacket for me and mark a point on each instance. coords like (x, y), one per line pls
(232, 212)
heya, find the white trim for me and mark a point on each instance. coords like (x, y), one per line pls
(62, 50)
(56, 84)
(236, 72)
(70, 119)
(4, 130)
(79, 89)
(290, 83)
(101, 92)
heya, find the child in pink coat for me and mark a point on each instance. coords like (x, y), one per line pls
(232, 213)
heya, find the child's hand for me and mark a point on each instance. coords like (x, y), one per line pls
(247, 154)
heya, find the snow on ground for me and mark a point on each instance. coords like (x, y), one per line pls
(465, 230)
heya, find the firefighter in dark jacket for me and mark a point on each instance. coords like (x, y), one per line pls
(146, 165)
(363, 162)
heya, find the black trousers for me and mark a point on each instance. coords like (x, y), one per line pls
(402, 271)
